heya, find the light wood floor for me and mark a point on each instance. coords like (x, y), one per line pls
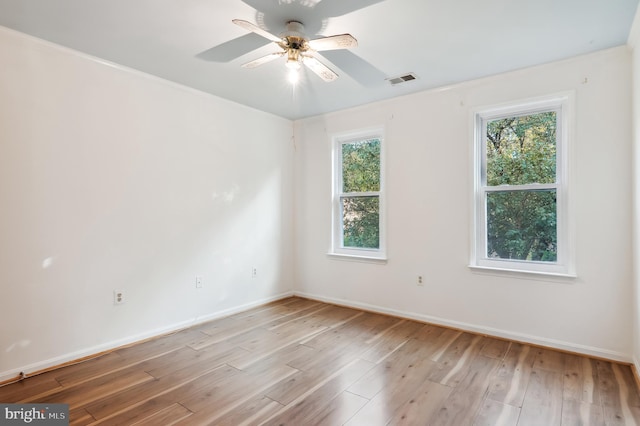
(300, 362)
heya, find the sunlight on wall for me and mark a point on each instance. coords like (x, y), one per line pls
(46, 263)
(20, 344)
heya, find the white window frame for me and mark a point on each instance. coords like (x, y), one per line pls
(337, 249)
(565, 264)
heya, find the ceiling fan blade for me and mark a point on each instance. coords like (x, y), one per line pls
(356, 67)
(263, 60)
(342, 41)
(232, 49)
(320, 69)
(256, 29)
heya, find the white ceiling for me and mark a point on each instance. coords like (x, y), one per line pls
(441, 41)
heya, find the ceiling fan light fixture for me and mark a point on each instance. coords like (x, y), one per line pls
(299, 49)
(293, 59)
(293, 65)
(294, 76)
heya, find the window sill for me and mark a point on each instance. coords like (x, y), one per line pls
(357, 258)
(523, 273)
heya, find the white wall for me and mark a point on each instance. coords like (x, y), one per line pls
(112, 179)
(634, 44)
(429, 177)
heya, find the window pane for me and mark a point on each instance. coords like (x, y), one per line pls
(522, 225)
(522, 150)
(361, 222)
(361, 166)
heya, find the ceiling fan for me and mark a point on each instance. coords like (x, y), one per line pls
(299, 49)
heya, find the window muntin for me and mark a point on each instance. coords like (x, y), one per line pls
(521, 209)
(358, 197)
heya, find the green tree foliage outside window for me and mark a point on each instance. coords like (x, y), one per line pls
(521, 223)
(360, 202)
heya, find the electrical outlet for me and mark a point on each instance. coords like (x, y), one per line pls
(199, 281)
(254, 272)
(118, 297)
(420, 282)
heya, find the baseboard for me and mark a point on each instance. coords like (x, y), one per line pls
(518, 337)
(87, 353)
(636, 369)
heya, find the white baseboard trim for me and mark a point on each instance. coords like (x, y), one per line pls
(518, 337)
(107, 346)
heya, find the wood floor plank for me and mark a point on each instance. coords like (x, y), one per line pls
(227, 395)
(451, 361)
(82, 371)
(550, 360)
(162, 398)
(495, 348)
(443, 342)
(388, 342)
(579, 413)
(510, 382)
(262, 315)
(318, 359)
(276, 346)
(309, 405)
(139, 412)
(580, 377)
(464, 403)
(89, 391)
(166, 417)
(136, 395)
(300, 362)
(494, 413)
(80, 417)
(430, 333)
(428, 398)
(252, 412)
(411, 359)
(29, 388)
(359, 327)
(232, 326)
(223, 353)
(315, 313)
(312, 365)
(392, 385)
(220, 331)
(287, 391)
(543, 399)
(159, 346)
(620, 398)
(339, 410)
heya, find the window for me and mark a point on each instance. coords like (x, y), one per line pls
(521, 188)
(358, 203)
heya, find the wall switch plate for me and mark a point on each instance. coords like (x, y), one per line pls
(199, 280)
(254, 272)
(420, 281)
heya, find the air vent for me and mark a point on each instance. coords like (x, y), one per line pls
(402, 79)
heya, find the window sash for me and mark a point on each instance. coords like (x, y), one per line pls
(564, 263)
(528, 219)
(357, 195)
